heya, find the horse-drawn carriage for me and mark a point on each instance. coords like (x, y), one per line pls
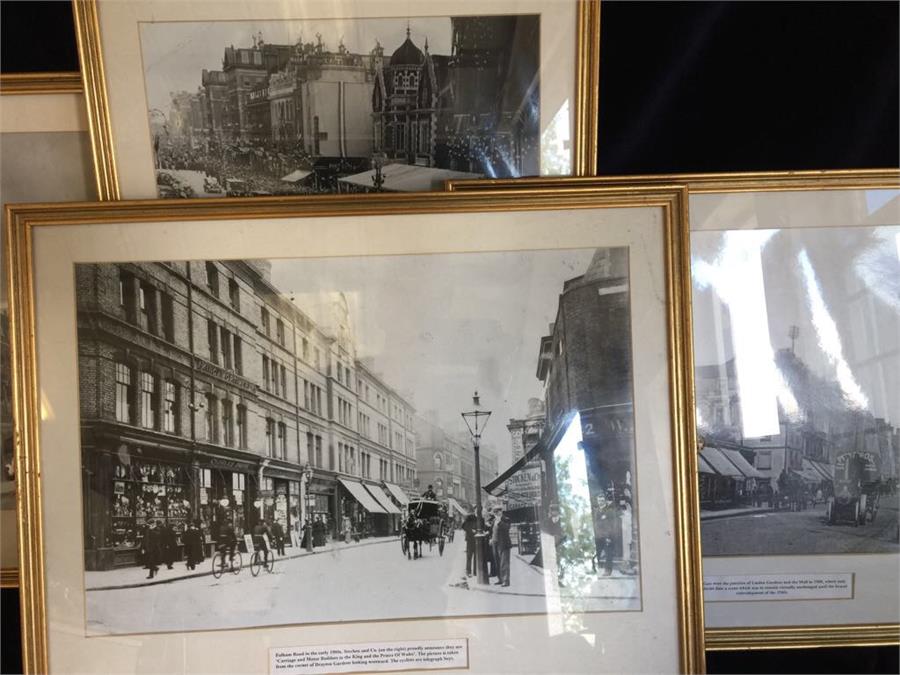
(857, 482)
(425, 522)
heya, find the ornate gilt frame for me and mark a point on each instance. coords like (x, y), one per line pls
(17, 84)
(731, 639)
(40, 83)
(24, 220)
(87, 30)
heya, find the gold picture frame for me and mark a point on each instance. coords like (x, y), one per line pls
(38, 102)
(96, 90)
(40, 83)
(768, 637)
(27, 223)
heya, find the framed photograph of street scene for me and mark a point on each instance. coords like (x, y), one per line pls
(795, 323)
(330, 414)
(45, 155)
(208, 99)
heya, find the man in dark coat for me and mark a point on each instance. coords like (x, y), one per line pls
(193, 545)
(606, 530)
(318, 532)
(470, 524)
(168, 543)
(429, 493)
(502, 545)
(490, 561)
(278, 534)
(150, 549)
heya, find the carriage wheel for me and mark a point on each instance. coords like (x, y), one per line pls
(441, 546)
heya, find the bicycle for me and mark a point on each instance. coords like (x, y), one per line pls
(220, 564)
(259, 560)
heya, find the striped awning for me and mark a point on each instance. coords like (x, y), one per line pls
(742, 464)
(809, 473)
(703, 466)
(455, 505)
(397, 493)
(382, 498)
(362, 495)
(720, 462)
(824, 470)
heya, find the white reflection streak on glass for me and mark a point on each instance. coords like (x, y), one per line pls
(46, 409)
(567, 449)
(827, 333)
(736, 276)
(556, 156)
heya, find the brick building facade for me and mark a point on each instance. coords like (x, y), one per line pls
(207, 395)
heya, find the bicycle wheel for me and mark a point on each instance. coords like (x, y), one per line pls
(255, 563)
(236, 563)
(270, 566)
(218, 565)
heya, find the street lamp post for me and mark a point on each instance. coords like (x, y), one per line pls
(476, 420)
(307, 479)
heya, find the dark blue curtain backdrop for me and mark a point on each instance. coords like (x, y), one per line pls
(746, 86)
(684, 86)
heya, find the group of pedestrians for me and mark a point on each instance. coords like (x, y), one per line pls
(159, 544)
(497, 526)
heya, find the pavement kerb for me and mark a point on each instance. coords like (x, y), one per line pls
(334, 546)
(500, 590)
(732, 513)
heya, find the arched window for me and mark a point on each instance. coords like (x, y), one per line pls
(438, 461)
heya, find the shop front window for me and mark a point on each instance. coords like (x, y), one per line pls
(145, 491)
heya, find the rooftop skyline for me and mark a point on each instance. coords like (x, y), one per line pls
(175, 53)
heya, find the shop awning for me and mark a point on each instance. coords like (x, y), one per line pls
(397, 493)
(720, 462)
(742, 464)
(361, 495)
(455, 505)
(703, 466)
(295, 176)
(809, 473)
(382, 498)
(823, 469)
(407, 178)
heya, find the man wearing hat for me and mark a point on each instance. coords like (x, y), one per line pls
(501, 544)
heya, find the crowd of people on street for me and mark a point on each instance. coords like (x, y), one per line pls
(260, 168)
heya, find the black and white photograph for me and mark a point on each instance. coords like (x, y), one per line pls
(298, 441)
(243, 108)
(797, 344)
